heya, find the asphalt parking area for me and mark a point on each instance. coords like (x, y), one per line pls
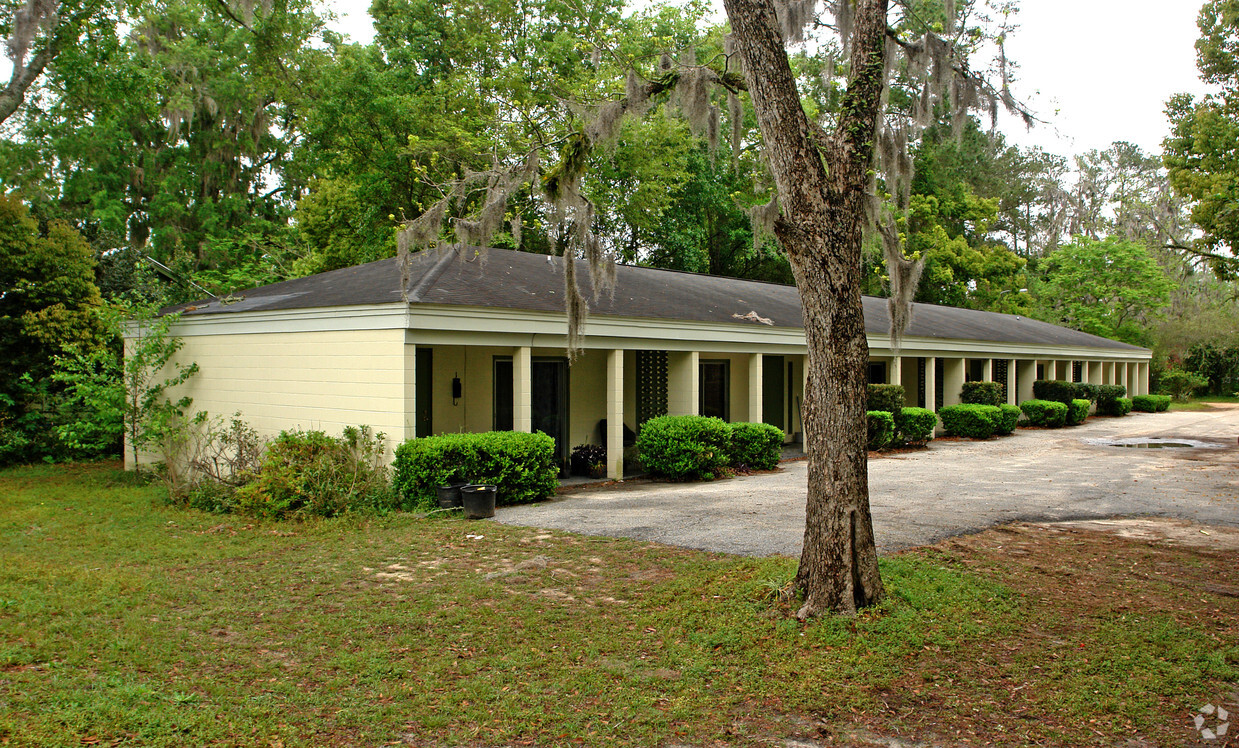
(950, 488)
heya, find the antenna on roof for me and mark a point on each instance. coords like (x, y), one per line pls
(172, 275)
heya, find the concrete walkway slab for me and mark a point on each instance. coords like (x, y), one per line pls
(950, 488)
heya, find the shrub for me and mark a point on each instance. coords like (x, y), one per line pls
(522, 465)
(1107, 393)
(1077, 411)
(1047, 413)
(881, 428)
(756, 445)
(1119, 406)
(887, 397)
(585, 456)
(1056, 391)
(1087, 391)
(970, 420)
(981, 393)
(307, 473)
(1163, 402)
(1180, 384)
(915, 425)
(1008, 419)
(1144, 403)
(684, 447)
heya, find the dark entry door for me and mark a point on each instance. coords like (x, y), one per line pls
(715, 389)
(549, 403)
(772, 391)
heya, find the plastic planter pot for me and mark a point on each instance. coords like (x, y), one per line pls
(449, 496)
(478, 500)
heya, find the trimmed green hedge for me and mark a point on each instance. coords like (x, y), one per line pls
(1008, 419)
(1087, 391)
(1056, 391)
(1047, 413)
(756, 445)
(1106, 394)
(522, 465)
(881, 428)
(915, 425)
(981, 393)
(1119, 406)
(1163, 402)
(887, 397)
(1077, 411)
(972, 421)
(685, 447)
(1144, 403)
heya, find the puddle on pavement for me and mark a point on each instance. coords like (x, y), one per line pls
(1153, 443)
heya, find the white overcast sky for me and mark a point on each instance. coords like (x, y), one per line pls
(1095, 71)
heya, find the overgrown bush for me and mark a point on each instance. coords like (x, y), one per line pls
(1048, 413)
(970, 420)
(522, 465)
(981, 393)
(887, 397)
(311, 474)
(1056, 391)
(881, 428)
(1119, 406)
(1144, 403)
(1008, 419)
(1077, 412)
(685, 447)
(1180, 384)
(915, 425)
(756, 445)
(585, 456)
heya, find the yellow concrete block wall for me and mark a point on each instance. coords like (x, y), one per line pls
(321, 381)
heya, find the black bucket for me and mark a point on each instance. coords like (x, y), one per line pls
(478, 500)
(449, 496)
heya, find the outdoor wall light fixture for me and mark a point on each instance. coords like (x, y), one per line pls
(456, 389)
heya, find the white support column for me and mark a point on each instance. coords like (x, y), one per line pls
(894, 374)
(1142, 378)
(931, 383)
(1011, 394)
(683, 377)
(410, 392)
(522, 389)
(1107, 372)
(1120, 376)
(987, 370)
(755, 388)
(952, 380)
(1133, 369)
(615, 414)
(1028, 374)
(1064, 371)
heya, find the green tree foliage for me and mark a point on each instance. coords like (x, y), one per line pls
(48, 300)
(1112, 288)
(1202, 152)
(172, 129)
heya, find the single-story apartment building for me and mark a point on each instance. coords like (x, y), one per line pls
(480, 344)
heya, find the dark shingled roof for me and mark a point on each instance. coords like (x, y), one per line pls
(501, 278)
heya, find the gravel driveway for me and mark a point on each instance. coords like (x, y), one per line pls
(950, 488)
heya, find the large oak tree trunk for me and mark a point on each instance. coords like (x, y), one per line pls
(822, 180)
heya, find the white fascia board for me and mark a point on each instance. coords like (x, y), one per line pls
(879, 345)
(316, 319)
(467, 325)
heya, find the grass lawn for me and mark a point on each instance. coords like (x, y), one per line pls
(1203, 402)
(124, 622)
